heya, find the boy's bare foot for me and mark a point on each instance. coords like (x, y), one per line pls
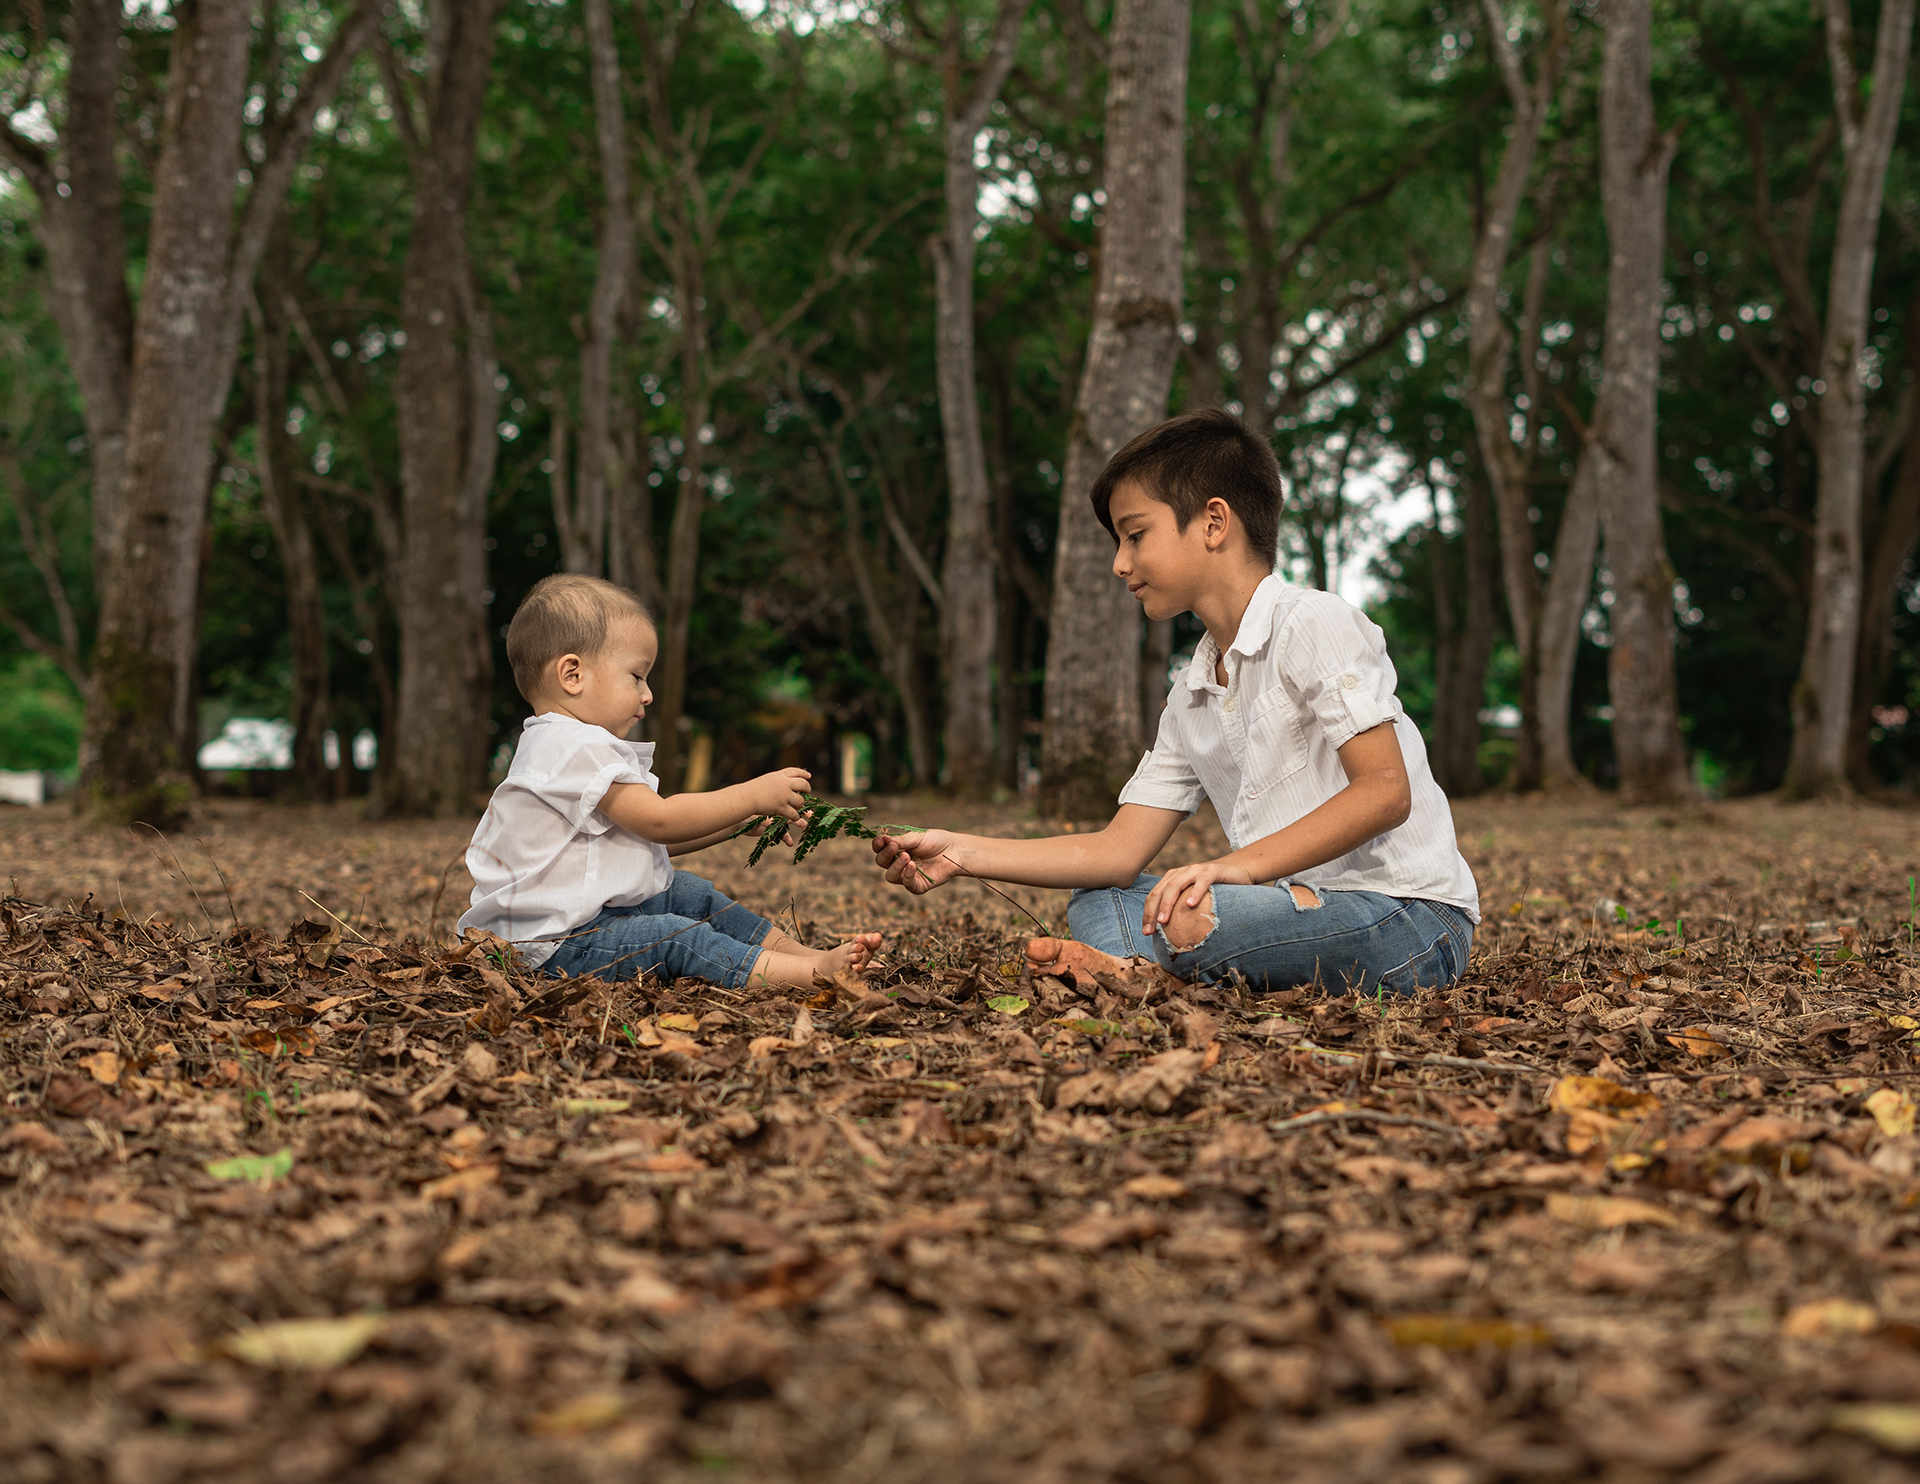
(852, 957)
(1052, 955)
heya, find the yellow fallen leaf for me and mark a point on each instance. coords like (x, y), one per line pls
(689, 1024)
(1903, 1023)
(1463, 1332)
(258, 1167)
(589, 1413)
(305, 1344)
(1824, 1318)
(590, 1107)
(1893, 1425)
(465, 1182)
(1601, 1094)
(1154, 1188)
(104, 1066)
(1702, 1041)
(1893, 1111)
(1604, 1212)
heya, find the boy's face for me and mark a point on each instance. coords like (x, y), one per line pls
(609, 689)
(1166, 568)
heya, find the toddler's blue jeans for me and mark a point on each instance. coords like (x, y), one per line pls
(691, 930)
(1351, 941)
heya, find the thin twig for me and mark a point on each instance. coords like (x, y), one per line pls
(232, 911)
(1315, 1120)
(337, 918)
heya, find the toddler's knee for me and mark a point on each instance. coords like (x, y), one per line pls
(1189, 926)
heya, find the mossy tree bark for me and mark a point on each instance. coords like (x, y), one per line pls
(1093, 732)
(1823, 701)
(448, 443)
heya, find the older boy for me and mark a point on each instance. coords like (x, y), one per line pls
(1343, 870)
(570, 862)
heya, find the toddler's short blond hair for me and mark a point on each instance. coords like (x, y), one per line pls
(567, 613)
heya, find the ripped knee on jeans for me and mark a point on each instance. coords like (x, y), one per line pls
(1189, 927)
(1304, 897)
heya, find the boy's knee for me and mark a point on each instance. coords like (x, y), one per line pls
(1189, 926)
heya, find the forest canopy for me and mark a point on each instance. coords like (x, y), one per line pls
(668, 292)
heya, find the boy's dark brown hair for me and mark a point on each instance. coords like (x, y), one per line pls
(567, 613)
(1189, 460)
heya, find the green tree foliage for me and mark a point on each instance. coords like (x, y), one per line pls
(1337, 158)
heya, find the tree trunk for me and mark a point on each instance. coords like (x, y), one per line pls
(1569, 584)
(1489, 348)
(683, 536)
(447, 438)
(79, 222)
(136, 756)
(286, 511)
(1460, 672)
(1634, 159)
(599, 464)
(1011, 703)
(968, 623)
(1093, 664)
(1823, 695)
(630, 560)
(1894, 539)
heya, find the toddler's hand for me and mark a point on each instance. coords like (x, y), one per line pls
(783, 793)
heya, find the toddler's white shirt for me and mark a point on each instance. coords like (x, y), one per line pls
(1307, 673)
(544, 859)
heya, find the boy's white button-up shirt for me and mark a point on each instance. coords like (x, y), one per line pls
(1306, 674)
(544, 859)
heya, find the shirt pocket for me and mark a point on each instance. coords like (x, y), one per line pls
(1276, 742)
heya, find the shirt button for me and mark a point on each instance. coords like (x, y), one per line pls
(1348, 682)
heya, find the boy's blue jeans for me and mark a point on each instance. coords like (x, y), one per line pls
(691, 930)
(1354, 940)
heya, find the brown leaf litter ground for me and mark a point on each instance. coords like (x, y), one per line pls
(286, 1196)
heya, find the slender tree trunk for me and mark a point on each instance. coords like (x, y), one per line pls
(79, 222)
(683, 536)
(1489, 350)
(136, 757)
(1093, 663)
(286, 512)
(1460, 679)
(599, 464)
(447, 438)
(1823, 695)
(630, 560)
(1634, 159)
(968, 623)
(1010, 708)
(1569, 584)
(1894, 540)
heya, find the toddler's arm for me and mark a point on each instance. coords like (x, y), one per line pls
(689, 821)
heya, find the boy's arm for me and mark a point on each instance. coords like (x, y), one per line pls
(688, 818)
(1377, 798)
(1109, 857)
(687, 847)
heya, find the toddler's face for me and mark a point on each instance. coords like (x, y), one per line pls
(609, 689)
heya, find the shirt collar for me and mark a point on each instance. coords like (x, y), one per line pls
(1256, 628)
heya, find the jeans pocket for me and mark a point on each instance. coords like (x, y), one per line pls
(1431, 968)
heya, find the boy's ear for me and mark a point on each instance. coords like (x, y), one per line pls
(1219, 523)
(568, 670)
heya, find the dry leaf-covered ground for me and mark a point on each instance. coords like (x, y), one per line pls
(320, 1197)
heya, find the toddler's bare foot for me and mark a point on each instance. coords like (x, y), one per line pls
(1052, 955)
(852, 957)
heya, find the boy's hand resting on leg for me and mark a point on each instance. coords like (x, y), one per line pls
(919, 862)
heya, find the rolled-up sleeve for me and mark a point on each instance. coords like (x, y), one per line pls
(1346, 679)
(581, 781)
(1165, 779)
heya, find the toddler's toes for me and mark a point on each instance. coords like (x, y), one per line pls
(864, 946)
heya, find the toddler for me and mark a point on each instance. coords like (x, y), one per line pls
(571, 862)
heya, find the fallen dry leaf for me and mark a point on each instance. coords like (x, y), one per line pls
(305, 1344)
(1604, 1212)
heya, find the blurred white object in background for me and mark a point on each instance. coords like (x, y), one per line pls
(247, 742)
(23, 788)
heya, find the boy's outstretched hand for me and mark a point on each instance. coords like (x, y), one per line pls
(919, 861)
